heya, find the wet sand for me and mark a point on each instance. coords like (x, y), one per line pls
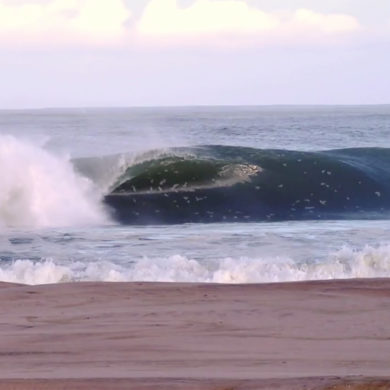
(311, 335)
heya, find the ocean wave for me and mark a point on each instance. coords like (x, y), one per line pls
(39, 189)
(369, 262)
(230, 184)
(189, 185)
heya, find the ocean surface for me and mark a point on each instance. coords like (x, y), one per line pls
(195, 194)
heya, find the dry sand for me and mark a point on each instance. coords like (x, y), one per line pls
(312, 335)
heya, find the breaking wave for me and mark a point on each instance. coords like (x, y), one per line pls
(369, 262)
(39, 189)
(230, 184)
(198, 184)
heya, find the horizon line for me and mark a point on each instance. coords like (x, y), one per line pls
(98, 107)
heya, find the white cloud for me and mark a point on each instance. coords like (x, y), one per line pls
(325, 23)
(63, 21)
(203, 22)
(165, 18)
(210, 21)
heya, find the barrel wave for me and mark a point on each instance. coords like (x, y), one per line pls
(230, 184)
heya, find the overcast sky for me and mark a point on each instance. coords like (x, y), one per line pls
(78, 53)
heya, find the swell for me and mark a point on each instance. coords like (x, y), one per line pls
(230, 184)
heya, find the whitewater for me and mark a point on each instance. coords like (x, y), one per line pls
(39, 189)
(218, 195)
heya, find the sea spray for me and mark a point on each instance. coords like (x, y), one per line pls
(40, 189)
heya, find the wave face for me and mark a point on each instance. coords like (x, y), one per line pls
(39, 189)
(230, 184)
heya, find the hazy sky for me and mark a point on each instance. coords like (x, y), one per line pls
(193, 52)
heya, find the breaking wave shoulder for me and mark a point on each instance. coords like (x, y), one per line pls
(231, 184)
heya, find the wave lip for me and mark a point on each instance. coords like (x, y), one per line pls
(222, 184)
(179, 174)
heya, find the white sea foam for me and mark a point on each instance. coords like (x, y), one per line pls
(39, 189)
(28, 272)
(344, 264)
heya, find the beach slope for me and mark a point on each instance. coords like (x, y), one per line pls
(305, 335)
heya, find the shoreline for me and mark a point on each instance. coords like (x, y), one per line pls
(154, 336)
(324, 383)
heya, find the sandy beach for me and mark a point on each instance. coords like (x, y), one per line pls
(309, 335)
